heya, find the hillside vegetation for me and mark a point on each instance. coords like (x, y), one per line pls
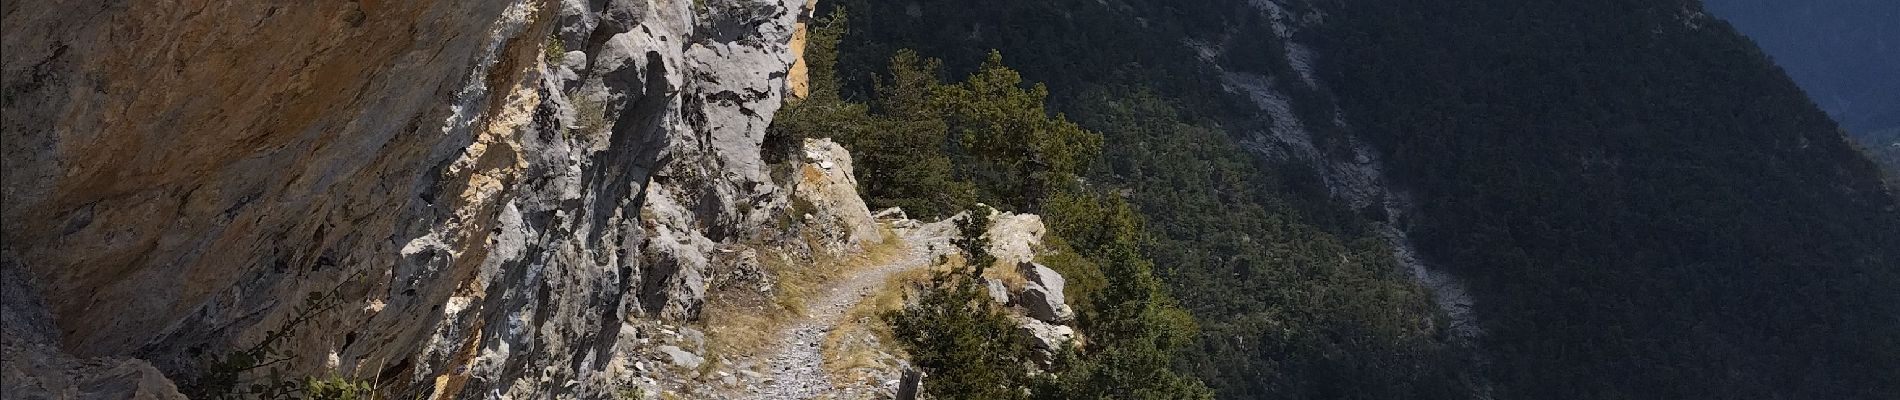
(938, 147)
(1643, 205)
(1293, 295)
(1646, 207)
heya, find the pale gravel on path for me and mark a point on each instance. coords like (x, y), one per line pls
(797, 368)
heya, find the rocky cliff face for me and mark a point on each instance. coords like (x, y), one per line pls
(447, 198)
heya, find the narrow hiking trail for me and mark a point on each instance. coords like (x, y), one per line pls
(797, 367)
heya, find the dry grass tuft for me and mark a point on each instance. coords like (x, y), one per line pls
(1008, 274)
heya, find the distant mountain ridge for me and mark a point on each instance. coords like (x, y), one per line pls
(1844, 53)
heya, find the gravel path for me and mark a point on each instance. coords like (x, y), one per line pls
(796, 369)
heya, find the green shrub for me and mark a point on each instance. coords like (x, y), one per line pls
(962, 338)
(554, 51)
(337, 388)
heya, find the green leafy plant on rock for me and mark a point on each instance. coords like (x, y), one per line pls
(554, 51)
(337, 388)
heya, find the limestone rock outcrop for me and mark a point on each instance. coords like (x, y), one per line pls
(827, 194)
(1032, 292)
(1042, 295)
(1044, 337)
(480, 196)
(997, 291)
(1015, 238)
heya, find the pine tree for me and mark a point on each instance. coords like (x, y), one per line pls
(956, 333)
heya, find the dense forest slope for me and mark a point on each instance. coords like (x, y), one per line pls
(1642, 205)
(1295, 294)
(1647, 207)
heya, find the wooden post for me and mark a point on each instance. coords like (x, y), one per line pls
(907, 387)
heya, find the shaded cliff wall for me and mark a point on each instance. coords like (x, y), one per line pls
(460, 205)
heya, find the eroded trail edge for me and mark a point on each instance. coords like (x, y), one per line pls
(797, 366)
